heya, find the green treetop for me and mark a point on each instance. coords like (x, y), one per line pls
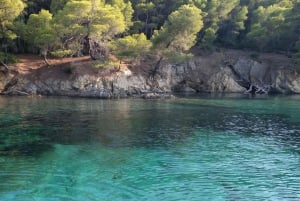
(179, 32)
(57, 5)
(9, 11)
(132, 46)
(40, 33)
(91, 23)
(269, 25)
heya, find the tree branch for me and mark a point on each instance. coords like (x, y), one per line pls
(4, 65)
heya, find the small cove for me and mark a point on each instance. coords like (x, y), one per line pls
(189, 148)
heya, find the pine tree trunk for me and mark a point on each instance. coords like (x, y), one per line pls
(46, 61)
(44, 52)
(5, 66)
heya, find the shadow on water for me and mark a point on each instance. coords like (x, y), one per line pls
(33, 126)
(26, 149)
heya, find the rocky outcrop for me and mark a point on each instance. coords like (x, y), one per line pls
(286, 81)
(5, 78)
(263, 77)
(214, 73)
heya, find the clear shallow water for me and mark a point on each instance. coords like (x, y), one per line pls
(202, 148)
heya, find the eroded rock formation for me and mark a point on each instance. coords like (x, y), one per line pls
(220, 72)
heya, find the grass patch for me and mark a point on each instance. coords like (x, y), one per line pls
(106, 64)
(61, 53)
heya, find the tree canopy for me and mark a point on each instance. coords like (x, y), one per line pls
(9, 10)
(98, 27)
(90, 23)
(39, 32)
(179, 32)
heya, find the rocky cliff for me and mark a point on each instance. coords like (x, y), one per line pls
(218, 72)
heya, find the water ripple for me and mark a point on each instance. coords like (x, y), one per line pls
(131, 150)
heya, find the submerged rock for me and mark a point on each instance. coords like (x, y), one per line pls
(157, 96)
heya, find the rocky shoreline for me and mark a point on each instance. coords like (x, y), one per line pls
(221, 72)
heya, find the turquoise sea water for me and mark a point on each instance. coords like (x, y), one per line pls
(196, 148)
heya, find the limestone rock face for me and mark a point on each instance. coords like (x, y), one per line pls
(223, 81)
(196, 77)
(118, 85)
(287, 81)
(279, 80)
(5, 78)
(201, 74)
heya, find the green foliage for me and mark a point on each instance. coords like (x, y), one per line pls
(217, 13)
(57, 5)
(179, 32)
(132, 46)
(142, 16)
(125, 8)
(61, 53)
(177, 57)
(92, 18)
(8, 58)
(230, 30)
(209, 38)
(39, 31)
(269, 25)
(9, 11)
(106, 64)
(94, 26)
(35, 6)
(91, 22)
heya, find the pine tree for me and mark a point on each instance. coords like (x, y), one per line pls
(90, 23)
(39, 32)
(179, 33)
(9, 11)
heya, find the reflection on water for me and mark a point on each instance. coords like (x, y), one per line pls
(192, 148)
